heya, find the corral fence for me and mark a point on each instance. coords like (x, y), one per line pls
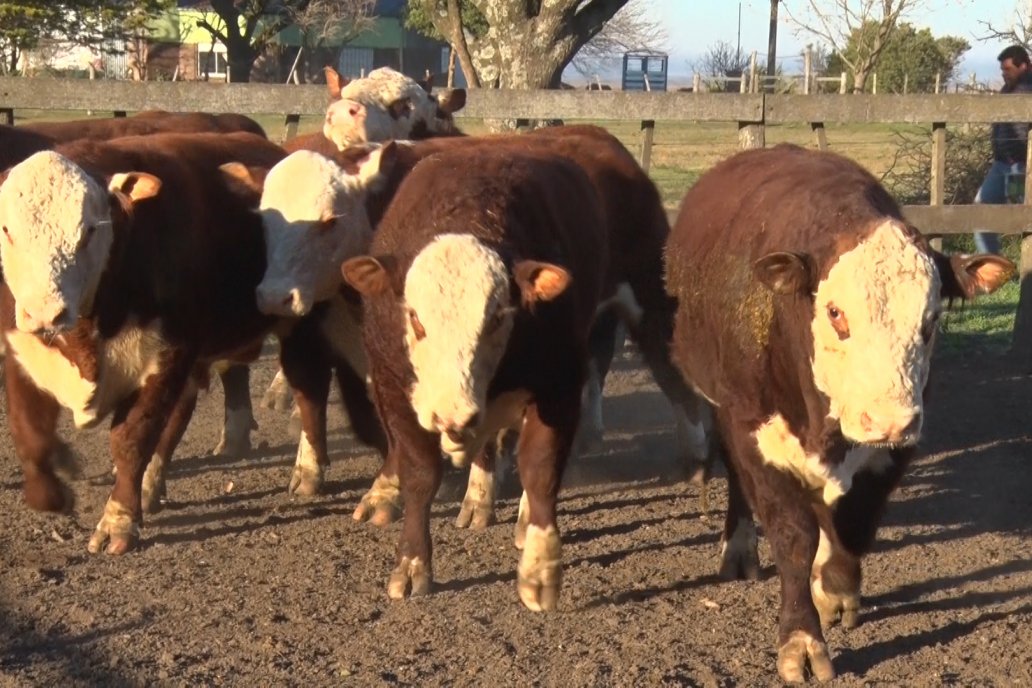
(751, 111)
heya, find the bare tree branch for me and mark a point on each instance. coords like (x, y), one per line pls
(1019, 33)
(630, 29)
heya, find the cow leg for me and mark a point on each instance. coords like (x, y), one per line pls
(421, 470)
(153, 488)
(239, 417)
(739, 558)
(135, 431)
(544, 445)
(477, 511)
(783, 505)
(308, 370)
(278, 396)
(847, 533)
(32, 417)
(606, 335)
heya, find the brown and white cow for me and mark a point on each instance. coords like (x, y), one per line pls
(383, 105)
(807, 311)
(130, 266)
(480, 289)
(147, 122)
(636, 230)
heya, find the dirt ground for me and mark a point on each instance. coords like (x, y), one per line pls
(246, 586)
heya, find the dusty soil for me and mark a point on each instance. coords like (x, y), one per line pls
(249, 587)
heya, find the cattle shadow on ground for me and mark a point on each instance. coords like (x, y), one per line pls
(581, 535)
(609, 558)
(902, 598)
(74, 656)
(862, 660)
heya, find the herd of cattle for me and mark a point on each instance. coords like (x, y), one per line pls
(459, 287)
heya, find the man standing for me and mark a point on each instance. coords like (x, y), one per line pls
(1010, 142)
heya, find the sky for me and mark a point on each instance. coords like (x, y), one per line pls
(692, 26)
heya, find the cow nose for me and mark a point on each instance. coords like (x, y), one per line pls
(456, 432)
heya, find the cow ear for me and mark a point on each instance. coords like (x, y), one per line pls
(335, 83)
(427, 84)
(540, 281)
(241, 176)
(785, 273)
(400, 108)
(136, 185)
(966, 276)
(453, 100)
(366, 275)
(379, 162)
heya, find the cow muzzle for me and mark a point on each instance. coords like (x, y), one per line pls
(901, 429)
(52, 322)
(282, 302)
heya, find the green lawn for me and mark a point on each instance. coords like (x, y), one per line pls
(983, 326)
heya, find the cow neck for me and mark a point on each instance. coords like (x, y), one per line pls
(110, 305)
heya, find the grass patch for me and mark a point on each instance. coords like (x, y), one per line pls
(983, 326)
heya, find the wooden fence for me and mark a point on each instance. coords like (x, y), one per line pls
(752, 112)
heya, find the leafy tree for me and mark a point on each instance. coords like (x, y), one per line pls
(24, 23)
(910, 56)
(247, 27)
(514, 43)
(867, 23)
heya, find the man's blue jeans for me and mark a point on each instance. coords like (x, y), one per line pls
(994, 191)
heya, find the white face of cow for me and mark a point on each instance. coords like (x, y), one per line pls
(458, 319)
(314, 217)
(874, 322)
(57, 237)
(384, 105)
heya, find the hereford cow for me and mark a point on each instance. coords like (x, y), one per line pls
(302, 249)
(147, 122)
(130, 265)
(384, 105)
(807, 310)
(456, 354)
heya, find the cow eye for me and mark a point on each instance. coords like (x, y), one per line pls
(838, 321)
(417, 327)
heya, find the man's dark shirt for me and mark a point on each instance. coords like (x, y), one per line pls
(1010, 139)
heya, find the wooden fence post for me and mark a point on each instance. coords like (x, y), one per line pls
(937, 190)
(697, 83)
(806, 70)
(290, 128)
(820, 136)
(751, 135)
(753, 86)
(842, 84)
(648, 128)
(1021, 341)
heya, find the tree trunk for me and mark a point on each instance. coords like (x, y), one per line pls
(860, 75)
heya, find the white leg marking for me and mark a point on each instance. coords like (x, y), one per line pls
(382, 503)
(236, 433)
(522, 521)
(307, 478)
(540, 573)
(831, 606)
(477, 509)
(279, 395)
(154, 484)
(410, 577)
(116, 529)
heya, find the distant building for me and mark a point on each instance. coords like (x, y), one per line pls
(180, 47)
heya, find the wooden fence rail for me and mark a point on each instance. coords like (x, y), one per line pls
(752, 112)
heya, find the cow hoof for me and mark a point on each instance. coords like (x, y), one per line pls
(540, 572)
(410, 578)
(46, 492)
(382, 503)
(278, 396)
(305, 481)
(739, 559)
(832, 607)
(116, 529)
(153, 488)
(794, 655)
(235, 441)
(475, 516)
